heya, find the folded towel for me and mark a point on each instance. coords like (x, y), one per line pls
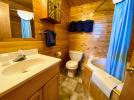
(79, 26)
(50, 38)
(88, 26)
(72, 26)
(104, 81)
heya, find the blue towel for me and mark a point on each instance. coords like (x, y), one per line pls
(50, 38)
(88, 26)
(79, 26)
(72, 26)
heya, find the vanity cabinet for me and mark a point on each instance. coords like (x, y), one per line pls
(50, 90)
(37, 96)
(43, 86)
(50, 10)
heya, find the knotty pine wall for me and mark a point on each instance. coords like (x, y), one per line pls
(39, 41)
(95, 43)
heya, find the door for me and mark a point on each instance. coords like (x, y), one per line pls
(128, 89)
(50, 90)
(37, 96)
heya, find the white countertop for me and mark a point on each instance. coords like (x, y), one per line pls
(10, 82)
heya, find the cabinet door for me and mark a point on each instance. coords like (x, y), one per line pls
(50, 90)
(37, 96)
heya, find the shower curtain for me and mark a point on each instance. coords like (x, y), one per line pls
(26, 28)
(26, 17)
(120, 38)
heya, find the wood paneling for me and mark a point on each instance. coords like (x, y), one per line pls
(27, 3)
(5, 30)
(39, 41)
(17, 5)
(79, 2)
(95, 43)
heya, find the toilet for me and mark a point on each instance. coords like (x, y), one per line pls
(72, 64)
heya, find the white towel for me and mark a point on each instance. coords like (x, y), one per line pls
(25, 15)
(119, 87)
(104, 81)
(117, 1)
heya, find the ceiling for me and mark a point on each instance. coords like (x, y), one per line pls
(27, 3)
(79, 2)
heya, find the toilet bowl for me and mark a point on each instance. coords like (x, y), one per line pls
(72, 64)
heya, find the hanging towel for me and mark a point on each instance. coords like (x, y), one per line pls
(117, 1)
(88, 26)
(26, 15)
(79, 26)
(105, 82)
(50, 38)
(72, 26)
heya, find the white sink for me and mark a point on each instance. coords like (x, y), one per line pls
(22, 66)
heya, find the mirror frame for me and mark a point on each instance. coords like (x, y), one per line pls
(19, 39)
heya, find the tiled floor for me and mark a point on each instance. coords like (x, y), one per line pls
(72, 89)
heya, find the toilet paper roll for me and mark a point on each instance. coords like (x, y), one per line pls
(58, 54)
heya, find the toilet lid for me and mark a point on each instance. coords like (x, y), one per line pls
(72, 64)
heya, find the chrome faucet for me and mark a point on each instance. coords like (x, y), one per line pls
(21, 56)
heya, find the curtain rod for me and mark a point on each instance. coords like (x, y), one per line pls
(13, 9)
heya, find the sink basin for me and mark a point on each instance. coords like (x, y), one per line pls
(22, 67)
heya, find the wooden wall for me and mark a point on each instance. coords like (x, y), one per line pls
(39, 41)
(95, 43)
(5, 30)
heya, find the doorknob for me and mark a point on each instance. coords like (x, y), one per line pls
(130, 69)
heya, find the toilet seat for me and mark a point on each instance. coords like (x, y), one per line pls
(72, 64)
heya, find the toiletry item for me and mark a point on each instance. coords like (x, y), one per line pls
(58, 54)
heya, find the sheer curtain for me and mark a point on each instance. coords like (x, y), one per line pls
(120, 38)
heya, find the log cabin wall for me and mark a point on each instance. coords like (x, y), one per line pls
(95, 43)
(39, 41)
(131, 49)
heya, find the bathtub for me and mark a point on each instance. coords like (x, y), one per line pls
(98, 62)
(98, 65)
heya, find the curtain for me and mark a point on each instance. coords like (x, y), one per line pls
(120, 38)
(26, 28)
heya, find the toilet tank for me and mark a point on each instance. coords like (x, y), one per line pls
(75, 55)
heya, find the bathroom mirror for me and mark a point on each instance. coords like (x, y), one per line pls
(19, 18)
